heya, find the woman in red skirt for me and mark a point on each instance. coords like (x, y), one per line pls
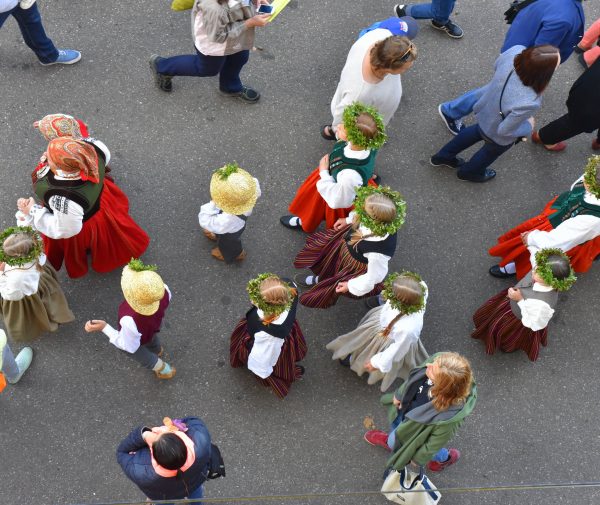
(268, 340)
(570, 222)
(80, 210)
(518, 318)
(328, 192)
(352, 258)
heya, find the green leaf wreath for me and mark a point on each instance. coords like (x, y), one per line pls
(378, 228)
(355, 136)
(34, 253)
(590, 176)
(224, 172)
(544, 270)
(253, 289)
(137, 265)
(388, 293)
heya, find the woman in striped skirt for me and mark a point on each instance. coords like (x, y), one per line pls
(352, 258)
(268, 340)
(518, 318)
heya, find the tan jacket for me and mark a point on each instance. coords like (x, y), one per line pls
(219, 29)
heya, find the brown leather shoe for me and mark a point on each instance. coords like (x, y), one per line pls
(170, 375)
(216, 253)
(241, 256)
(209, 235)
(596, 144)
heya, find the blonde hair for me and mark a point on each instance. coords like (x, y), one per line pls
(407, 290)
(452, 382)
(378, 206)
(274, 291)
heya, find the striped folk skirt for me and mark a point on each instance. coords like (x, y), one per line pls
(327, 255)
(499, 328)
(285, 370)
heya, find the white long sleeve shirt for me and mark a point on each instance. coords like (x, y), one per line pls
(7, 5)
(212, 219)
(569, 233)
(266, 349)
(377, 265)
(341, 194)
(17, 282)
(405, 333)
(128, 338)
(384, 95)
(536, 314)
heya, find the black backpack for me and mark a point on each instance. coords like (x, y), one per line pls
(515, 7)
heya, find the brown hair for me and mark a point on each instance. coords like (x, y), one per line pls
(393, 53)
(19, 245)
(452, 382)
(274, 291)
(379, 207)
(409, 291)
(535, 66)
(366, 125)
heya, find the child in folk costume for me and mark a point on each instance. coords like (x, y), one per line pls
(32, 301)
(53, 126)
(233, 193)
(80, 210)
(386, 342)
(570, 222)
(352, 258)
(268, 340)
(140, 317)
(518, 318)
(328, 192)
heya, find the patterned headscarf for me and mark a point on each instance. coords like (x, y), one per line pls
(59, 125)
(73, 159)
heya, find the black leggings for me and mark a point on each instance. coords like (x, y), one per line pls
(561, 129)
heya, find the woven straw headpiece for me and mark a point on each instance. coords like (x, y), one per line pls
(142, 287)
(233, 189)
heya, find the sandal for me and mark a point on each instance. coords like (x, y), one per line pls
(327, 132)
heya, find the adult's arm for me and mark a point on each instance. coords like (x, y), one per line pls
(217, 25)
(516, 124)
(132, 443)
(439, 438)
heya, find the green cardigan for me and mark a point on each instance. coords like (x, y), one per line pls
(424, 431)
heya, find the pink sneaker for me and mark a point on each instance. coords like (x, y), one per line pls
(377, 437)
(453, 457)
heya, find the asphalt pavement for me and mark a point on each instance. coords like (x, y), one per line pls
(534, 422)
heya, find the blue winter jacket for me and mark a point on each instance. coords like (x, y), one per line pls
(559, 23)
(133, 454)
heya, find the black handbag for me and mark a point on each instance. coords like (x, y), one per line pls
(515, 7)
(216, 466)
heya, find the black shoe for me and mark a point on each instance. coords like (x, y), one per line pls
(285, 221)
(372, 302)
(301, 369)
(496, 272)
(400, 10)
(436, 161)
(376, 179)
(454, 125)
(345, 361)
(327, 132)
(300, 280)
(489, 174)
(162, 81)
(247, 95)
(451, 29)
(581, 60)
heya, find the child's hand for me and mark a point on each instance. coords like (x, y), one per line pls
(515, 294)
(25, 204)
(340, 223)
(324, 163)
(95, 325)
(397, 403)
(524, 237)
(2, 265)
(369, 367)
(342, 287)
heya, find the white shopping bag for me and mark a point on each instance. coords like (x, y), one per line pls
(396, 483)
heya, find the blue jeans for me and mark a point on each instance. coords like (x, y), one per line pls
(440, 456)
(9, 365)
(487, 154)
(438, 10)
(197, 493)
(200, 65)
(30, 23)
(463, 105)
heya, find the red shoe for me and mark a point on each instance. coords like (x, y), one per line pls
(453, 457)
(596, 144)
(560, 146)
(377, 437)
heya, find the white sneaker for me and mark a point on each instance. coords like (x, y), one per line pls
(25, 4)
(23, 360)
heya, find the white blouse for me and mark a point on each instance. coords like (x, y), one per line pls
(266, 349)
(536, 314)
(17, 282)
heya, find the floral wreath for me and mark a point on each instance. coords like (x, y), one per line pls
(404, 308)
(33, 255)
(224, 172)
(377, 227)
(544, 270)
(253, 289)
(355, 136)
(590, 176)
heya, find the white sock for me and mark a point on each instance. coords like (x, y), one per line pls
(311, 280)
(295, 221)
(509, 268)
(159, 365)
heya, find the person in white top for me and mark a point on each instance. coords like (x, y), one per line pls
(268, 340)
(233, 193)
(31, 300)
(371, 76)
(386, 342)
(518, 317)
(570, 222)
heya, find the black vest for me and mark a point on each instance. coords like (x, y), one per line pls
(525, 285)
(358, 250)
(255, 324)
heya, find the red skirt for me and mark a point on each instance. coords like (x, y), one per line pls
(111, 236)
(326, 254)
(510, 247)
(499, 328)
(285, 370)
(310, 207)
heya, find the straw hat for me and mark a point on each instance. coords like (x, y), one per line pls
(142, 287)
(233, 189)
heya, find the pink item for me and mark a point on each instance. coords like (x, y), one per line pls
(590, 38)
(191, 453)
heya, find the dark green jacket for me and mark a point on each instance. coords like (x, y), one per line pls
(424, 430)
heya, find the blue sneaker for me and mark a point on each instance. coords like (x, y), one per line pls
(454, 125)
(23, 361)
(65, 57)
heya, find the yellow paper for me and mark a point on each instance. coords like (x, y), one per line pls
(278, 6)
